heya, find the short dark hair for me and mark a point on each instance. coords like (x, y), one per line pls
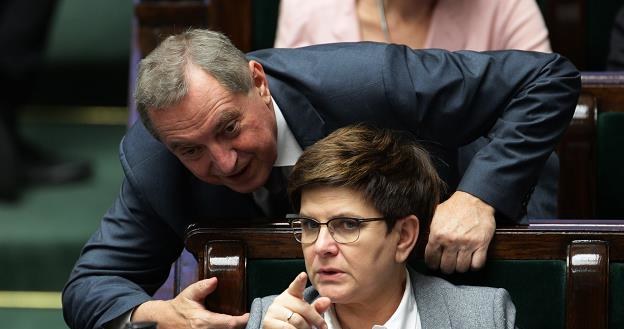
(388, 167)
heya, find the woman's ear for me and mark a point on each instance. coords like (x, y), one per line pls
(259, 80)
(408, 229)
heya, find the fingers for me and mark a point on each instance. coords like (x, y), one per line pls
(433, 255)
(200, 289)
(298, 285)
(464, 260)
(478, 258)
(448, 261)
(224, 321)
(321, 304)
(460, 232)
(290, 310)
(269, 323)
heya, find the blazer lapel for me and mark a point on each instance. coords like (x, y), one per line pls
(431, 305)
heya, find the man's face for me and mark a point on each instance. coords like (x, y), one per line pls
(221, 137)
(358, 272)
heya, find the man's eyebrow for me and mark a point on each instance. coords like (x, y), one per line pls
(225, 117)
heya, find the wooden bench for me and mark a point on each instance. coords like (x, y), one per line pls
(585, 260)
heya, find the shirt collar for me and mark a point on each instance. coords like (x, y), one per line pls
(405, 316)
(288, 150)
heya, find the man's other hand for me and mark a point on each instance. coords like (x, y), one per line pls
(460, 233)
(187, 310)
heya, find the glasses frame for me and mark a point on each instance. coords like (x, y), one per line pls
(292, 217)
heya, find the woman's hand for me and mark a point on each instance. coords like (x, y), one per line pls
(289, 310)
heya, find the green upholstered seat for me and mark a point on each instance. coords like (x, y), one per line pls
(610, 161)
(616, 296)
(536, 287)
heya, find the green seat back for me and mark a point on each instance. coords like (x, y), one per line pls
(536, 287)
(610, 161)
(616, 296)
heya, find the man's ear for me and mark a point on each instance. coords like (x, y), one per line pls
(408, 229)
(259, 81)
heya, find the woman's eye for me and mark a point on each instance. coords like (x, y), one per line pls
(309, 224)
(347, 224)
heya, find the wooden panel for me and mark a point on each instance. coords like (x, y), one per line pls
(232, 17)
(226, 261)
(607, 88)
(158, 19)
(541, 240)
(587, 285)
(577, 158)
(566, 21)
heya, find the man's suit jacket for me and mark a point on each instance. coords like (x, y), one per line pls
(440, 305)
(520, 102)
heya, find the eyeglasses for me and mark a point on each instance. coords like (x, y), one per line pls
(342, 229)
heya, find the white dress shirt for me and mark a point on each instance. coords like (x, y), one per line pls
(288, 149)
(405, 316)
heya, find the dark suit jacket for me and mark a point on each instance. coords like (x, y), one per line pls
(520, 102)
(441, 305)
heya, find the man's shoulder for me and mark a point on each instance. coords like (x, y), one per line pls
(139, 146)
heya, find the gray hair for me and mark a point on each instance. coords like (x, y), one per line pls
(161, 80)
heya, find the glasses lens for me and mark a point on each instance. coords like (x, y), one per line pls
(345, 230)
(305, 229)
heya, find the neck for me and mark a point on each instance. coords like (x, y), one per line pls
(375, 309)
(396, 21)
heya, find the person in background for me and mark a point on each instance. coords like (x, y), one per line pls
(361, 195)
(23, 30)
(478, 25)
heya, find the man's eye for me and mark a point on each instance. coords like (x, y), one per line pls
(189, 152)
(231, 128)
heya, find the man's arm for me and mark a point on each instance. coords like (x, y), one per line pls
(521, 102)
(123, 263)
(140, 236)
(538, 106)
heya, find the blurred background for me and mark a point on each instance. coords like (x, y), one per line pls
(74, 111)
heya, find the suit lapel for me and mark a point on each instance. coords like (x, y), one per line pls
(430, 301)
(302, 118)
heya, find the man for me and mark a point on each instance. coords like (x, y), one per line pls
(215, 123)
(362, 195)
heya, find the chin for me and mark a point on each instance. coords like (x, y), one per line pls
(337, 295)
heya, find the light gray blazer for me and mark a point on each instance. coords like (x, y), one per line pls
(440, 305)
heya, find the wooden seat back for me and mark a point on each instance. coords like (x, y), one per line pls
(587, 248)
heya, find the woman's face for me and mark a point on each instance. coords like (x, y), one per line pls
(355, 272)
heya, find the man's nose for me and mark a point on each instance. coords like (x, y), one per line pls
(223, 159)
(325, 245)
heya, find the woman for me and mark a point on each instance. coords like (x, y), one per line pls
(362, 194)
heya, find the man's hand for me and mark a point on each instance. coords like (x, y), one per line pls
(187, 310)
(289, 310)
(460, 233)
